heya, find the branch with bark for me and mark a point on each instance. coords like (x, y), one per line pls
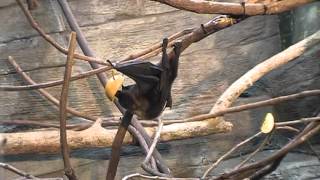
(69, 172)
(97, 136)
(246, 9)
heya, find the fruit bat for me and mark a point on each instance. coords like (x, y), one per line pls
(147, 98)
(151, 93)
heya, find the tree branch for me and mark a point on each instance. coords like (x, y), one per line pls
(17, 171)
(69, 172)
(249, 9)
(45, 93)
(49, 39)
(88, 51)
(247, 80)
(308, 132)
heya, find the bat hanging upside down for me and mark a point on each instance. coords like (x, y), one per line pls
(152, 91)
(147, 98)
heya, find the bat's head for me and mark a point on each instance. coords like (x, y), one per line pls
(125, 98)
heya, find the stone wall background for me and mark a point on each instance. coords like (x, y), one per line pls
(117, 28)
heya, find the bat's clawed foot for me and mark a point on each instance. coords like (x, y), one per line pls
(177, 47)
(111, 64)
(165, 42)
(220, 17)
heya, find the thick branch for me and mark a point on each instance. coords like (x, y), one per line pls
(250, 9)
(247, 80)
(96, 136)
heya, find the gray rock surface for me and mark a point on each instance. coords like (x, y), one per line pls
(117, 28)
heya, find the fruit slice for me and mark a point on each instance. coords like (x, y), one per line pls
(113, 85)
(268, 124)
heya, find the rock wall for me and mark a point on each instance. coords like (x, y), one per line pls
(117, 28)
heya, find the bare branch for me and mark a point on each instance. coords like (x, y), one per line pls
(263, 143)
(228, 153)
(155, 141)
(54, 83)
(250, 9)
(247, 80)
(17, 171)
(196, 35)
(141, 176)
(142, 143)
(249, 106)
(303, 120)
(63, 112)
(43, 125)
(45, 93)
(49, 39)
(311, 129)
(144, 164)
(155, 49)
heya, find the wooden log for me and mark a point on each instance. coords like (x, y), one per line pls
(96, 136)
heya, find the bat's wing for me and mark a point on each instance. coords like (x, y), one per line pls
(145, 74)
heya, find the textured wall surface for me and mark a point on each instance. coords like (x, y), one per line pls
(117, 28)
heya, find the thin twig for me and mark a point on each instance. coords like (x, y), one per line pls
(49, 39)
(54, 83)
(45, 93)
(228, 153)
(299, 121)
(196, 35)
(155, 141)
(254, 105)
(264, 142)
(63, 113)
(44, 125)
(289, 128)
(141, 176)
(155, 49)
(143, 144)
(240, 144)
(266, 170)
(17, 171)
(313, 150)
(156, 138)
(310, 130)
(160, 162)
